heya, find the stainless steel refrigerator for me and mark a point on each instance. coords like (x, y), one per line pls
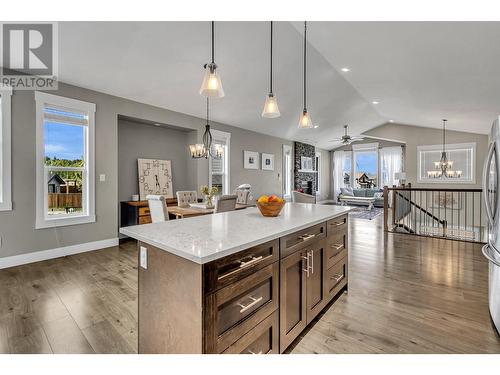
(491, 250)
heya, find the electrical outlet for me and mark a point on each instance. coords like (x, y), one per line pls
(144, 257)
(102, 177)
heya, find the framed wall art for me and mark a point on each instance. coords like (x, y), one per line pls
(250, 160)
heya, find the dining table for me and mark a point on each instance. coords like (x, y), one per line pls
(185, 212)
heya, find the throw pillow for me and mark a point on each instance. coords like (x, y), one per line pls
(347, 191)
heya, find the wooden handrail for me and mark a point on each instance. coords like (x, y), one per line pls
(431, 189)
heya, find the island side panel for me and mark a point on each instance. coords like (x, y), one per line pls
(170, 304)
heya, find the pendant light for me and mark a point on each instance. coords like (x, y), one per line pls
(271, 109)
(305, 119)
(207, 148)
(211, 85)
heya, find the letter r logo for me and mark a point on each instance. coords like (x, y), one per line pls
(27, 49)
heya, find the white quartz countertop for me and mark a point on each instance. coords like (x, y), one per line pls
(205, 238)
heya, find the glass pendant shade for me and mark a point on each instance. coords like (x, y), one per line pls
(305, 121)
(211, 86)
(271, 109)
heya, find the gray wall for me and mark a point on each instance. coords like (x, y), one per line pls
(418, 136)
(326, 175)
(17, 226)
(138, 140)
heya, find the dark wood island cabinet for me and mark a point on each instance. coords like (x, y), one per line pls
(255, 301)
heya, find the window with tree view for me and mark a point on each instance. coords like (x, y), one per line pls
(65, 181)
(64, 165)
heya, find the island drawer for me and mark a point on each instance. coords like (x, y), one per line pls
(336, 277)
(237, 308)
(296, 241)
(339, 224)
(263, 339)
(227, 270)
(336, 248)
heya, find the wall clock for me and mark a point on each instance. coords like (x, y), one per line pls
(155, 177)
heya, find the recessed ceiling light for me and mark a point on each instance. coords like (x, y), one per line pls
(316, 126)
(375, 102)
(345, 70)
(391, 120)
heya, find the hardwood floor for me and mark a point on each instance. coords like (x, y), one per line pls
(406, 295)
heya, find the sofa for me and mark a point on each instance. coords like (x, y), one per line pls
(356, 196)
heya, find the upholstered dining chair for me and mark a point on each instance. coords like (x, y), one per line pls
(298, 197)
(157, 208)
(225, 203)
(242, 196)
(185, 197)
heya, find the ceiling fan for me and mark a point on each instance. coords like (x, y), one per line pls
(346, 139)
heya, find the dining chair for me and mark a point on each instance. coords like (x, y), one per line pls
(242, 196)
(157, 208)
(185, 197)
(298, 197)
(225, 203)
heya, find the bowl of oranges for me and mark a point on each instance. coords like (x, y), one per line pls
(270, 206)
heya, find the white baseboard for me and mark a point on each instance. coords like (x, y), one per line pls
(38, 256)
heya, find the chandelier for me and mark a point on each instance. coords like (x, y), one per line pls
(444, 167)
(207, 148)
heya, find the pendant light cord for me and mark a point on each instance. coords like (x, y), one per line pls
(213, 42)
(444, 135)
(271, 65)
(305, 38)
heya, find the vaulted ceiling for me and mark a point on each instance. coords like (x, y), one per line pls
(418, 72)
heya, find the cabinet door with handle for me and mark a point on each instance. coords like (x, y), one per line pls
(293, 303)
(316, 280)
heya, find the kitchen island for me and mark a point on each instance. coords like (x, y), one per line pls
(238, 282)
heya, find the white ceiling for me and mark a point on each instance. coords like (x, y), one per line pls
(420, 72)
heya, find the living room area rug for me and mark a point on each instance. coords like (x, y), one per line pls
(361, 212)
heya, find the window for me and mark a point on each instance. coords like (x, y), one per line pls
(218, 169)
(287, 171)
(463, 156)
(5, 150)
(365, 157)
(317, 160)
(65, 161)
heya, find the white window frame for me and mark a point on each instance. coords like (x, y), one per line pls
(286, 149)
(88, 191)
(449, 147)
(363, 147)
(226, 137)
(6, 150)
(318, 172)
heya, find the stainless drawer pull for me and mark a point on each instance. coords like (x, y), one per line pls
(251, 262)
(243, 265)
(250, 305)
(250, 352)
(306, 237)
(337, 246)
(309, 258)
(338, 223)
(337, 278)
(306, 258)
